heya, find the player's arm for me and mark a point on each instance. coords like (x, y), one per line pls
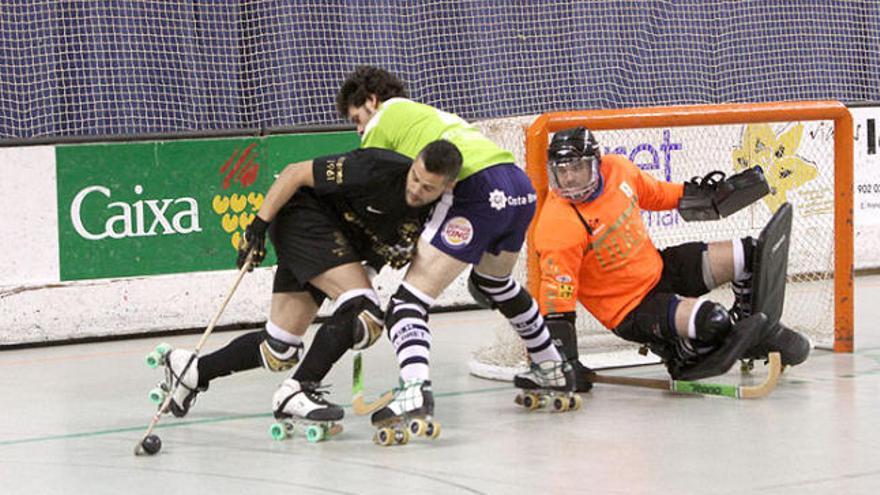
(560, 241)
(657, 195)
(560, 253)
(293, 177)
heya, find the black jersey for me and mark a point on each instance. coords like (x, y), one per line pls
(366, 190)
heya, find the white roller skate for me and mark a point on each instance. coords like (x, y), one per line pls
(410, 412)
(548, 383)
(175, 362)
(302, 406)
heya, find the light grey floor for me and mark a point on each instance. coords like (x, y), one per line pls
(71, 416)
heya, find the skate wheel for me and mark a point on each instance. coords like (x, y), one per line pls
(154, 359)
(433, 430)
(418, 427)
(560, 404)
(279, 431)
(315, 433)
(531, 401)
(157, 395)
(746, 366)
(401, 436)
(575, 402)
(384, 437)
(163, 348)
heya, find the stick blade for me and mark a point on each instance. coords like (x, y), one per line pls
(774, 368)
(362, 408)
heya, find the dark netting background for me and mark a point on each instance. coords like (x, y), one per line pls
(100, 68)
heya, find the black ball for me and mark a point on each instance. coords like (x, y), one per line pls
(152, 444)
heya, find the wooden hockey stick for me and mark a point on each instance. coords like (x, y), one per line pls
(698, 387)
(358, 405)
(139, 449)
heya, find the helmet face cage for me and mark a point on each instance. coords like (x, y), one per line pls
(573, 164)
(574, 180)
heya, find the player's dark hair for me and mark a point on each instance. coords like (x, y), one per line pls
(442, 157)
(367, 80)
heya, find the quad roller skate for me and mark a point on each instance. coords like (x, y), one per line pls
(314, 431)
(180, 365)
(548, 384)
(410, 413)
(300, 406)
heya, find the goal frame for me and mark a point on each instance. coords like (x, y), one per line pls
(537, 136)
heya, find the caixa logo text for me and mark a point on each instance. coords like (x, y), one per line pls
(141, 218)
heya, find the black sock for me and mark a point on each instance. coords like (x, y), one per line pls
(331, 342)
(240, 354)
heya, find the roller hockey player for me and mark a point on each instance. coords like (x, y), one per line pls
(594, 249)
(481, 223)
(330, 220)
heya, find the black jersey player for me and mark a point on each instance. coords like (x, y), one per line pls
(329, 219)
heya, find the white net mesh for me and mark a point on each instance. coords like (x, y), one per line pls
(86, 68)
(798, 160)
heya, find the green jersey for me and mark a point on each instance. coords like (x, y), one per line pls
(406, 127)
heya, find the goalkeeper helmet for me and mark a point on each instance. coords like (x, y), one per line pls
(573, 164)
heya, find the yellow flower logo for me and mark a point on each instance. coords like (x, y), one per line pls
(776, 155)
(233, 215)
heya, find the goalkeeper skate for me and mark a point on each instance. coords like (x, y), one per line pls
(301, 407)
(548, 383)
(410, 413)
(179, 366)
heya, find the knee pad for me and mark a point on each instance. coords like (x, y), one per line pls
(360, 311)
(502, 293)
(277, 355)
(712, 323)
(482, 298)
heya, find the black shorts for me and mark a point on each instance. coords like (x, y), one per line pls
(651, 321)
(308, 241)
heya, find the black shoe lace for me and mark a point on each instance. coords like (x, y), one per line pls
(316, 392)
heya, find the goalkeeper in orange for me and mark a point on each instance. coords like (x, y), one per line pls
(594, 249)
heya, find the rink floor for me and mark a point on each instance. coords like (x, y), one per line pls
(71, 416)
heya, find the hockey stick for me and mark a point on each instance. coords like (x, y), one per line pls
(358, 405)
(699, 387)
(139, 448)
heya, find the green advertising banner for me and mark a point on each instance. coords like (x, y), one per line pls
(153, 208)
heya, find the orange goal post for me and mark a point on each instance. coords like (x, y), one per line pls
(806, 151)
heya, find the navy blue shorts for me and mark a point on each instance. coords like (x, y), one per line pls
(489, 211)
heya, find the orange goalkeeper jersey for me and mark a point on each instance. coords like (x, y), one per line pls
(602, 257)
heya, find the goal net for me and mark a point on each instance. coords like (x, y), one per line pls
(90, 68)
(805, 149)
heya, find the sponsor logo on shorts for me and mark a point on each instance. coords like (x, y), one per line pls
(458, 232)
(499, 200)
(565, 291)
